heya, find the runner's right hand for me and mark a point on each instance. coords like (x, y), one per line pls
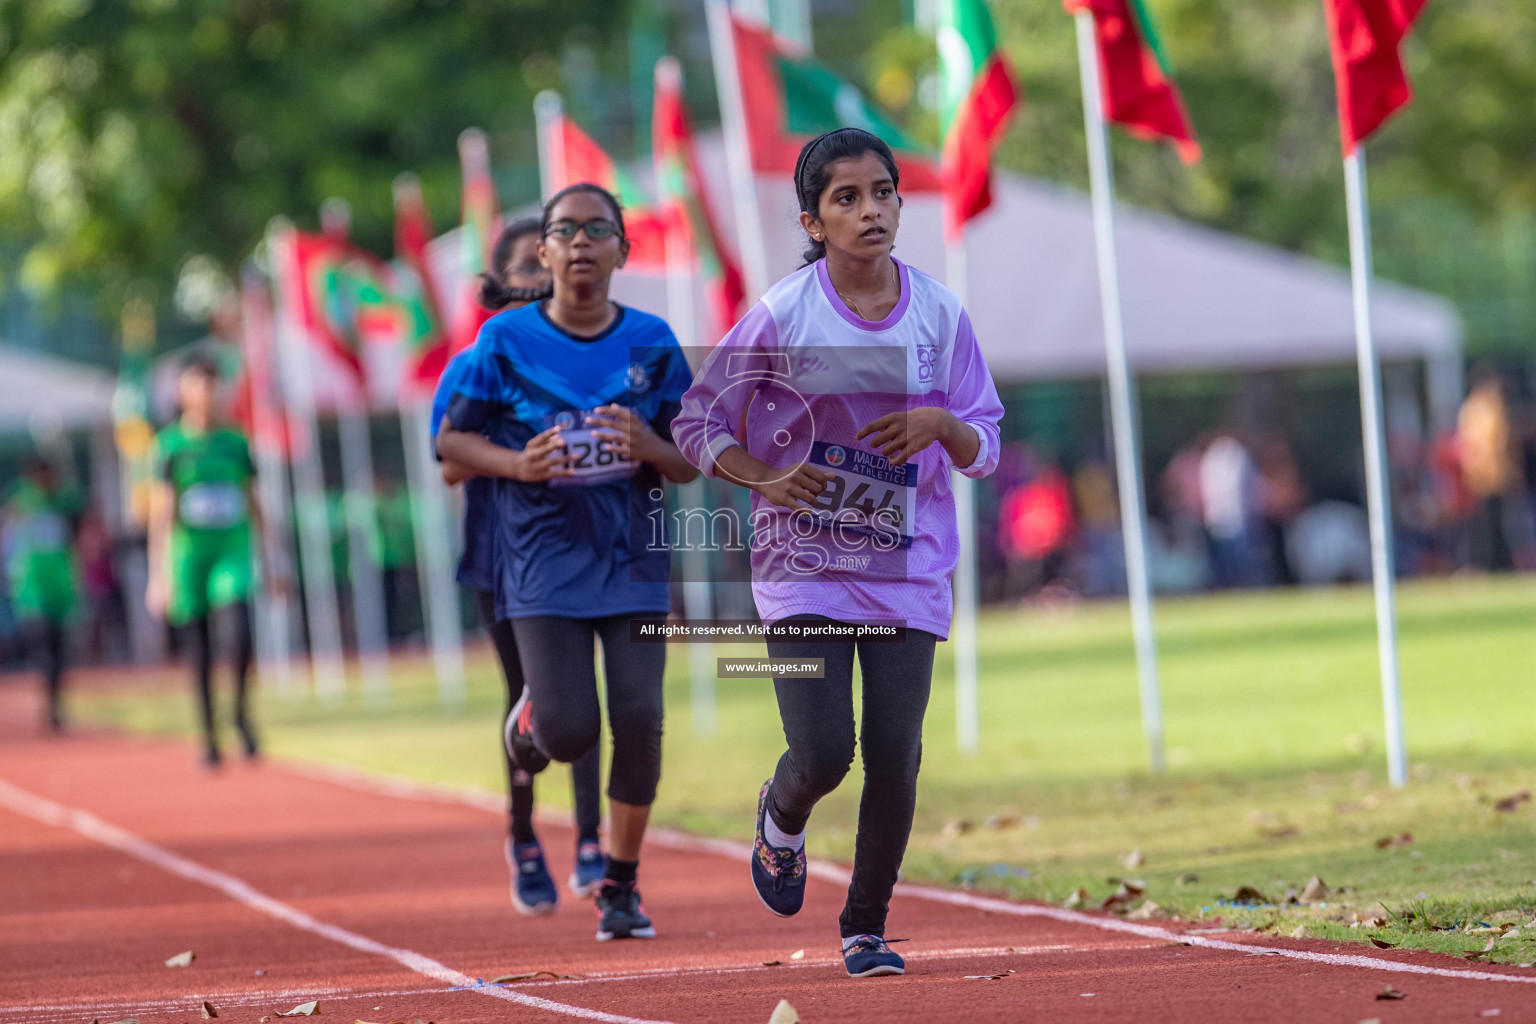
(795, 490)
(543, 458)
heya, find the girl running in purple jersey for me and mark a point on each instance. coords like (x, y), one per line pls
(516, 279)
(862, 386)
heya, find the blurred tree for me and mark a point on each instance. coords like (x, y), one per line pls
(145, 143)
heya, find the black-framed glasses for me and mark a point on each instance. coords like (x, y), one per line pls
(597, 229)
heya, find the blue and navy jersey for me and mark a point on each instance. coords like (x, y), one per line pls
(592, 544)
(475, 564)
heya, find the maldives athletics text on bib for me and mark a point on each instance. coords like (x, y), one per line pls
(865, 494)
(590, 464)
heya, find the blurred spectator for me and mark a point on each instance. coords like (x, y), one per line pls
(1282, 496)
(394, 548)
(107, 624)
(1229, 497)
(1490, 445)
(1103, 551)
(1037, 530)
(1330, 543)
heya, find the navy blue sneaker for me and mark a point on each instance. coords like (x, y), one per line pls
(620, 914)
(533, 891)
(867, 956)
(778, 873)
(587, 876)
(518, 733)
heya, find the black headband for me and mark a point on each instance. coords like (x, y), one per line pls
(815, 144)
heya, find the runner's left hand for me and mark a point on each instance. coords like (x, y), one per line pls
(621, 431)
(900, 436)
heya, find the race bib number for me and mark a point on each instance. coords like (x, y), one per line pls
(41, 531)
(213, 506)
(590, 464)
(865, 495)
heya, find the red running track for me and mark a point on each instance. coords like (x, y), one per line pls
(384, 901)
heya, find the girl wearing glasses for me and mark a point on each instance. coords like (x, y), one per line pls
(869, 387)
(516, 279)
(568, 404)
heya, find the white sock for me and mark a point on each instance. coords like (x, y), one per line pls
(777, 836)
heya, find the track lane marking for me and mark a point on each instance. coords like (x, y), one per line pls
(86, 824)
(405, 788)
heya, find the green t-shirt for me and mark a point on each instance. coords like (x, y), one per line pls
(210, 473)
(39, 537)
(394, 541)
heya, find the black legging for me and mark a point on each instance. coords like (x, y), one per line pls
(556, 656)
(819, 728)
(586, 784)
(45, 644)
(234, 620)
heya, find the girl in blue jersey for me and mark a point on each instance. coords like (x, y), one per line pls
(568, 403)
(517, 278)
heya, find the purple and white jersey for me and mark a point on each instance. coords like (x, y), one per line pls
(795, 381)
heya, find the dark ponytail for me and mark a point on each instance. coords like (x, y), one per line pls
(813, 171)
(494, 292)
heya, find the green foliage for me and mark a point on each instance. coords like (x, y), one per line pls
(135, 134)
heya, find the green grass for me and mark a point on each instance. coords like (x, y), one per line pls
(1276, 771)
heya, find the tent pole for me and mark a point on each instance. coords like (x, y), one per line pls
(1133, 513)
(1378, 495)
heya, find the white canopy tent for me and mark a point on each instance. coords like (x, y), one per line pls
(40, 392)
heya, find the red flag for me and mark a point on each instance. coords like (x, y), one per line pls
(1364, 36)
(1135, 74)
(258, 408)
(789, 97)
(425, 342)
(684, 202)
(978, 98)
(481, 222)
(575, 157)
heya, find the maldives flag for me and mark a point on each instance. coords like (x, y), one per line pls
(480, 223)
(979, 95)
(683, 201)
(424, 345)
(573, 157)
(1363, 36)
(1135, 74)
(257, 402)
(790, 97)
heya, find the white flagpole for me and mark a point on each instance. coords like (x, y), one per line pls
(430, 519)
(738, 150)
(967, 701)
(1378, 494)
(297, 376)
(548, 109)
(697, 603)
(1133, 511)
(354, 431)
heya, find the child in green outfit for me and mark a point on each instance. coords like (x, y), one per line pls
(202, 565)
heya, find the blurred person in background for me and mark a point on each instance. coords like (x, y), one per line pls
(518, 278)
(394, 549)
(1100, 546)
(203, 513)
(1229, 500)
(1281, 497)
(1181, 549)
(1490, 442)
(1038, 527)
(37, 532)
(107, 638)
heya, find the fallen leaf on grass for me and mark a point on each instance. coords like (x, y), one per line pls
(507, 979)
(1188, 878)
(1391, 993)
(1401, 839)
(209, 1011)
(1382, 943)
(1146, 912)
(1248, 894)
(772, 963)
(1315, 890)
(988, 977)
(181, 960)
(1369, 922)
(1002, 820)
(1509, 803)
(1122, 896)
(125, 1020)
(784, 1014)
(1078, 898)
(1481, 954)
(1279, 832)
(1134, 859)
(308, 1009)
(955, 829)
(1300, 932)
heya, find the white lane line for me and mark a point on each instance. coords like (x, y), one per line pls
(485, 800)
(92, 827)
